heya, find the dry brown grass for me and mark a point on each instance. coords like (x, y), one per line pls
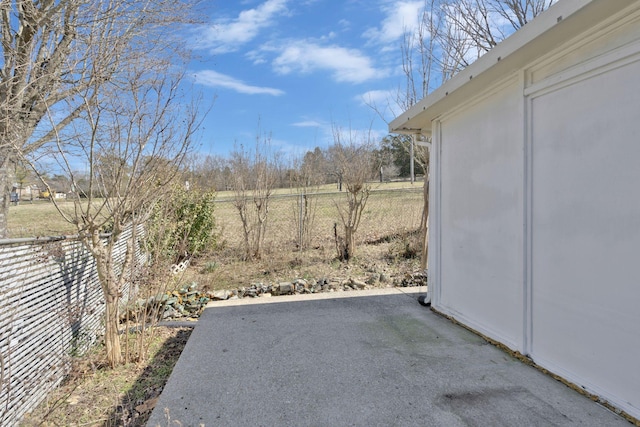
(39, 218)
(228, 272)
(389, 208)
(388, 212)
(388, 226)
(331, 188)
(94, 395)
(392, 213)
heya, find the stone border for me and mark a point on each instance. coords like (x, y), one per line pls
(188, 302)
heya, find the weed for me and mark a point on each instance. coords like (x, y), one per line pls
(209, 267)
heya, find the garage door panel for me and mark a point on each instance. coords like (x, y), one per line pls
(585, 223)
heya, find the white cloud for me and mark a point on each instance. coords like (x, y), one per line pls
(377, 97)
(384, 102)
(290, 150)
(401, 16)
(218, 80)
(227, 35)
(308, 124)
(345, 65)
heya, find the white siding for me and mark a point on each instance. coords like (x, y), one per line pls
(481, 215)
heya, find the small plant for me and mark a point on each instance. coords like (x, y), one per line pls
(182, 226)
(209, 267)
(406, 246)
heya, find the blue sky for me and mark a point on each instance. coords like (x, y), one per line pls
(293, 69)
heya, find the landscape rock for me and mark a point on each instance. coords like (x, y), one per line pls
(414, 279)
(169, 313)
(373, 279)
(301, 282)
(188, 301)
(357, 284)
(221, 295)
(285, 288)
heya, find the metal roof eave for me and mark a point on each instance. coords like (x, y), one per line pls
(561, 22)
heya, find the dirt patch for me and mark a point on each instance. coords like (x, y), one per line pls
(94, 395)
(225, 271)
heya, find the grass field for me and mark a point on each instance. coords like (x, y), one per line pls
(331, 188)
(39, 218)
(390, 209)
(392, 213)
(387, 212)
(384, 239)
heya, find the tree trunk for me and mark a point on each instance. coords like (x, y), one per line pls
(5, 190)
(111, 292)
(349, 243)
(111, 336)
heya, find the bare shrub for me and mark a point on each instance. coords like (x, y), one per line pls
(305, 183)
(353, 158)
(254, 175)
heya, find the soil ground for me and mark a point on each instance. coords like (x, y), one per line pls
(94, 395)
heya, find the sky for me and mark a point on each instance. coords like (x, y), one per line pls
(291, 70)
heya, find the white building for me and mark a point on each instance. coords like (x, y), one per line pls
(535, 194)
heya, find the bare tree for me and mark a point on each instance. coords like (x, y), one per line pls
(353, 157)
(255, 174)
(452, 34)
(314, 167)
(305, 181)
(55, 54)
(210, 173)
(517, 13)
(473, 27)
(133, 142)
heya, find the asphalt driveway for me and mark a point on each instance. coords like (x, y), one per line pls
(366, 358)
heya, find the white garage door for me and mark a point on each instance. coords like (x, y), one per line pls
(586, 232)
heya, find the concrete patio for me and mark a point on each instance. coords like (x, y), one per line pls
(366, 358)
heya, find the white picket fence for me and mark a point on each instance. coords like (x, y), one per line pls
(51, 308)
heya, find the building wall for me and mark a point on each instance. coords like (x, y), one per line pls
(586, 224)
(481, 211)
(536, 226)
